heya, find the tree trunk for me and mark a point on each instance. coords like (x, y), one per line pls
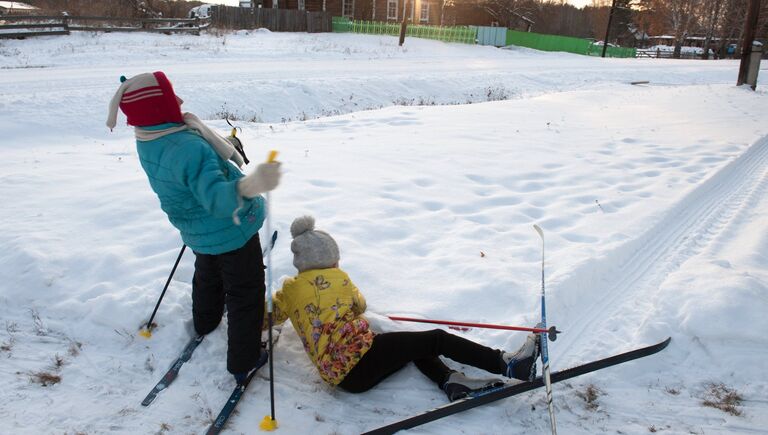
(678, 49)
(711, 28)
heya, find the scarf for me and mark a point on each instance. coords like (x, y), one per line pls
(222, 146)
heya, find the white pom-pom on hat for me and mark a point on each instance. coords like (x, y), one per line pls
(301, 225)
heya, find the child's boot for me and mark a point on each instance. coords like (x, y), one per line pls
(522, 363)
(458, 386)
(242, 377)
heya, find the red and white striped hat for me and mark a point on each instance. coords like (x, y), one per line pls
(146, 99)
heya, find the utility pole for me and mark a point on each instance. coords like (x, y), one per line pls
(750, 24)
(608, 28)
(404, 24)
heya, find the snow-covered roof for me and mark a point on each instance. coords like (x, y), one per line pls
(202, 11)
(17, 5)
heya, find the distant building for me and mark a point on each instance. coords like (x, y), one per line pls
(634, 37)
(202, 11)
(433, 12)
(424, 12)
(17, 8)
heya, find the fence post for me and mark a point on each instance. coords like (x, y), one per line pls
(65, 22)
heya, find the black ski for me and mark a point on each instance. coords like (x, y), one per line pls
(237, 393)
(186, 354)
(172, 372)
(509, 390)
(226, 411)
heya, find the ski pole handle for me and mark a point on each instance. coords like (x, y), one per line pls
(272, 156)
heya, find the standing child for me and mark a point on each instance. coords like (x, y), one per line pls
(326, 309)
(195, 174)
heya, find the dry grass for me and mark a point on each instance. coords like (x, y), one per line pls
(590, 396)
(11, 328)
(723, 398)
(45, 378)
(74, 348)
(205, 411)
(40, 328)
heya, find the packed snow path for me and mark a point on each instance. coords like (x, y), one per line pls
(626, 282)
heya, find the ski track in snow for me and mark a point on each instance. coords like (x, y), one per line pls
(634, 273)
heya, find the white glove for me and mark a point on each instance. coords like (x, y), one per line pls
(265, 178)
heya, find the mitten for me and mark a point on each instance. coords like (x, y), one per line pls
(265, 178)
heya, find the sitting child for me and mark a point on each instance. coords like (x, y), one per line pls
(326, 309)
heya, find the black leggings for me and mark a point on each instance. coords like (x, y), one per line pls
(391, 351)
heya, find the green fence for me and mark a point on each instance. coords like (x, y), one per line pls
(468, 35)
(568, 44)
(597, 50)
(465, 35)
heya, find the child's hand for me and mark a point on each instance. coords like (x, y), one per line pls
(264, 179)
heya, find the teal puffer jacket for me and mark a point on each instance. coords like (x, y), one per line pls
(198, 191)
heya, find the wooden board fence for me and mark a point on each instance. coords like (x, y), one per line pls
(18, 26)
(276, 20)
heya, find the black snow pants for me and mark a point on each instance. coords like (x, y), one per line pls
(391, 351)
(234, 278)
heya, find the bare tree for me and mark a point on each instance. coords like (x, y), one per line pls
(732, 25)
(713, 8)
(680, 16)
(443, 5)
(598, 13)
(507, 12)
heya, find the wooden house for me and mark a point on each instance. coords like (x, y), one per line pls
(432, 12)
(17, 8)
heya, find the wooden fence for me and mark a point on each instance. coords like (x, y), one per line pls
(668, 54)
(40, 25)
(276, 20)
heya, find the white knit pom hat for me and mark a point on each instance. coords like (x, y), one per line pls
(312, 249)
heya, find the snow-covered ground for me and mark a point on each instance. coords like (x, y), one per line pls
(653, 198)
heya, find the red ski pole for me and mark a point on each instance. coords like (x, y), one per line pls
(552, 331)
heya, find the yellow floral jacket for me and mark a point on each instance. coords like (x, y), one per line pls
(326, 310)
